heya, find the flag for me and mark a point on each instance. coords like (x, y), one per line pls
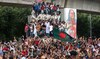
(63, 36)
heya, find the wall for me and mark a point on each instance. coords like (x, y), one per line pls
(88, 5)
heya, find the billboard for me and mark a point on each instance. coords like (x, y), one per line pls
(70, 18)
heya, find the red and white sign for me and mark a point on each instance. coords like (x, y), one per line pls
(70, 18)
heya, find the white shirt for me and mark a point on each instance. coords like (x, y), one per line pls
(47, 27)
(55, 17)
(31, 28)
(33, 14)
(48, 17)
(94, 49)
(58, 17)
(12, 48)
(51, 6)
(32, 47)
(51, 27)
(58, 9)
(35, 31)
(23, 58)
(99, 44)
(40, 16)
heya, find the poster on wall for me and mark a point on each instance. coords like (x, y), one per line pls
(70, 18)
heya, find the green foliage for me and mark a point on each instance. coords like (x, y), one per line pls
(96, 25)
(83, 25)
(12, 21)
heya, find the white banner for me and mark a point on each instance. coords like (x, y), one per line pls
(70, 18)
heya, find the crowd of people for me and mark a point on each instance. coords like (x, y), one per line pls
(39, 42)
(46, 11)
(50, 48)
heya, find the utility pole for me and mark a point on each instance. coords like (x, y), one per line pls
(90, 20)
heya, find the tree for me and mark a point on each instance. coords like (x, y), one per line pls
(83, 25)
(96, 25)
(12, 21)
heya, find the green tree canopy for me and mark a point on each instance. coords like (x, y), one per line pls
(84, 24)
(12, 21)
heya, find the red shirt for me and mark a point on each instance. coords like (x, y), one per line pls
(36, 42)
(54, 8)
(42, 7)
(5, 49)
(24, 53)
(70, 47)
(26, 28)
